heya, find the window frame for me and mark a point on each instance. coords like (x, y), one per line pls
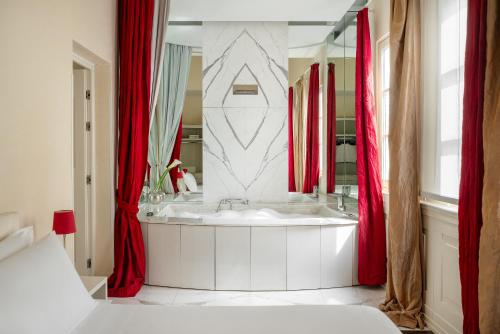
(382, 44)
(444, 80)
(430, 140)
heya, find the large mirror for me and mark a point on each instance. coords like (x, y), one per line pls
(337, 48)
(341, 51)
(191, 153)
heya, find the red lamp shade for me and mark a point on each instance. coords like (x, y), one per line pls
(64, 222)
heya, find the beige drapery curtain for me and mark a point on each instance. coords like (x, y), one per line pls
(489, 244)
(403, 302)
(303, 121)
(300, 93)
(298, 134)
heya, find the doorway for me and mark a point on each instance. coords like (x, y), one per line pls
(83, 165)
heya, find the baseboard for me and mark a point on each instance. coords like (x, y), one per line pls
(437, 324)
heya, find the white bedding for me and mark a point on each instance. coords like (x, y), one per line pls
(40, 292)
(155, 319)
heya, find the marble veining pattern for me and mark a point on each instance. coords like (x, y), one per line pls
(245, 136)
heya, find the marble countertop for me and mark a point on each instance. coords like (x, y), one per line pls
(250, 222)
(322, 212)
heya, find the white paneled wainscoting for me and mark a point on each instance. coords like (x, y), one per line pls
(250, 258)
(442, 297)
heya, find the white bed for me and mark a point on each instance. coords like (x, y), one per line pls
(40, 293)
(132, 319)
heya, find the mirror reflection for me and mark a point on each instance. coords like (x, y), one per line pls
(341, 52)
(334, 59)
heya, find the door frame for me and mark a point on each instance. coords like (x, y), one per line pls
(89, 65)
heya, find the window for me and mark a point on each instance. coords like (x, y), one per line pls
(383, 106)
(444, 24)
(452, 24)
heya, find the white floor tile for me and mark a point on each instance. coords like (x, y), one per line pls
(372, 296)
(304, 297)
(130, 301)
(247, 300)
(156, 295)
(341, 296)
(201, 297)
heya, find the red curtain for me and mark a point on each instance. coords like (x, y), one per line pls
(471, 180)
(331, 141)
(176, 154)
(371, 246)
(311, 174)
(135, 25)
(291, 169)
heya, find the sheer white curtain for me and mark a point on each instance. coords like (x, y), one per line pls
(165, 120)
(158, 40)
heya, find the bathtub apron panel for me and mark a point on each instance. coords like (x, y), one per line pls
(268, 258)
(232, 253)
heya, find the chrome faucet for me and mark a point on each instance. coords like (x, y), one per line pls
(341, 202)
(346, 191)
(230, 201)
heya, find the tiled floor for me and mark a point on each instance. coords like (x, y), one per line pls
(359, 295)
(337, 296)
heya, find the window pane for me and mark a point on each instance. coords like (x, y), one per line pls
(450, 175)
(385, 158)
(463, 32)
(452, 25)
(449, 113)
(385, 68)
(385, 113)
(449, 35)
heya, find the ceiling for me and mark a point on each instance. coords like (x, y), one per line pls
(344, 45)
(302, 39)
(258, 10)
(298, 36)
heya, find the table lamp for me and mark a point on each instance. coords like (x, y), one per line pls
(64, 223)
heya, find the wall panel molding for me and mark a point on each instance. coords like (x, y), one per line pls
(442, 298)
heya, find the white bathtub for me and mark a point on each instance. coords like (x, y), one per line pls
(259, 214)
(261, 247)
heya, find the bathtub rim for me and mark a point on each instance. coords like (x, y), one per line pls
(252, 222)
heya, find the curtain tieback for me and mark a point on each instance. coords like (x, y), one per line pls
(124, 206)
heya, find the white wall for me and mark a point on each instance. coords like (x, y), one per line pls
(94, 37)
(245, 136)
(191, 114)
(381, 18)
(36, 102)
(297, 67)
